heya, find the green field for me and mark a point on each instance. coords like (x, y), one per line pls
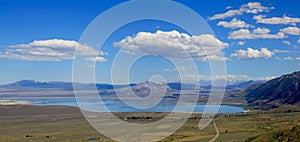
(57, 123)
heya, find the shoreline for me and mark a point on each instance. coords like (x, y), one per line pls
(14, 102)
(228, 108)
(146, 112)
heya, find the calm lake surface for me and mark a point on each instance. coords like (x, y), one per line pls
(107, 104)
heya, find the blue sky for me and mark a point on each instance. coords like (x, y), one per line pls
(260, 40)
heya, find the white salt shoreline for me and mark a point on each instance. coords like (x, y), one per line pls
(13, 102)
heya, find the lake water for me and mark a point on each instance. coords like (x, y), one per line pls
(118, 106)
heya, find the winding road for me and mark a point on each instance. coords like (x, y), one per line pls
(217, 132)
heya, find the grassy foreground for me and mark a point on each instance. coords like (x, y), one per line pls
(59, 123)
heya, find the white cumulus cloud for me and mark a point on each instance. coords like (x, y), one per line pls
(251, 7)
(298, 59)
(286, 42)
(281, 51)
(176, 69)
(241, 43)
(276, 20)
(250, 54)
(228, 7)
(174, 44)
(230, 77)
(254, 8)
(229, 13)
(266, 78)
(48, 50)
(289, 58)
(206, 79)
(234, 23)
(96, 59)
(291, 30)
(263, 33)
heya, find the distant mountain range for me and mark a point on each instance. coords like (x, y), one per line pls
(173, 85)
(37, 84)
(60, 85)
(284, 90)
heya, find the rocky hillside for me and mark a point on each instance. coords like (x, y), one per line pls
(284, 90)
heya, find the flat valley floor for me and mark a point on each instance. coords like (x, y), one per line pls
(66, 124)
